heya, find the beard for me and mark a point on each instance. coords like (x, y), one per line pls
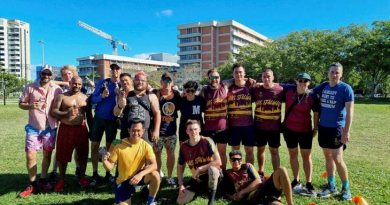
(75, 90)
(45, 80)
(214, 85)
(139, 88)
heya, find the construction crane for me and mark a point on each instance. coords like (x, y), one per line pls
(114, 42)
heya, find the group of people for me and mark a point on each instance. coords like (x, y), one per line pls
(219, 115)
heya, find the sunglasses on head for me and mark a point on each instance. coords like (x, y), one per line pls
(46, 74)
(167, 81)
(303, 81)
(236, 159)
(115, 68)
(214, 77)
(190, 90)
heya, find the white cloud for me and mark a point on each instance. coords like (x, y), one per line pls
(167, 12)
(143, 55)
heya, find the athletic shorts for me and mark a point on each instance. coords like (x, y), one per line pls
(169, 142)
(267, 193)
(202, 183)
(38, 139)
(70, 137)
(102, 125)
(270, 137)
(124, 190)
(330, 137)
(292, 138)
(246, 134)
(219, 136)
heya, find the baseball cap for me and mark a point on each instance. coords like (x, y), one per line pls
(304, 76)
(49, 69)
(166, 75)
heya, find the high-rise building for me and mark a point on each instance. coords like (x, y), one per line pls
(208, 44)
(15, 47)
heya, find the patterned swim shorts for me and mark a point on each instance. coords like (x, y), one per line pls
(38, 139)
(168, 141)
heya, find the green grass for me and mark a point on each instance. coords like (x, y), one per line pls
(367, 158)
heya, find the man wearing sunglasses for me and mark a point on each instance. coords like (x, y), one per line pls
(41, 129)
(105, 120)
(243, 183)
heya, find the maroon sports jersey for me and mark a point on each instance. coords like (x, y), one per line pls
(243, 177)
(240, 105)
(215, 116)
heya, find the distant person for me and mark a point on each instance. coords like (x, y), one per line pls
(105, 120)
(298, 129)
(203, 160)
(192, 107)
(243, 184)
(70, 108)
(131, 154)
(41, 129)
(337, 105)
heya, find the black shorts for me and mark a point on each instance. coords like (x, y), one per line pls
(330, 137)
(270, 137)
(246, 134)
(267, 193)
(100, 126)
(202, 183)
(292, 138)
(183, 135)
(219, 136)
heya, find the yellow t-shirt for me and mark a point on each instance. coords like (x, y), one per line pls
(131, 158)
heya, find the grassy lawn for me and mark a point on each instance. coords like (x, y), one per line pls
(367, 158)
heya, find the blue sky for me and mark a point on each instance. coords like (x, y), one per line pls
(150, 26)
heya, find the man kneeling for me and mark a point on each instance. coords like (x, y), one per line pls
(243, 183)
(131, 154)
(203, 159)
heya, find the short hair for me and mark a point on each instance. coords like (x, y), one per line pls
(213, 70)
(141, 73)
(135, 121)
(237, 65)
(191, 84)
(71, 68)
(336, 64)
(114, 65)
(192, 122)
(125, 74)
(268, 70)
(235, 152)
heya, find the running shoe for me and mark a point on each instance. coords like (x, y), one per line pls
(77, 172)
(346, 194)
(60, 186)
(262, 176)
(83, 182)
(43, 184)
(328, 191)
(296, 186)
(28, 191)
(309, 191)
(95, 180)
(171, 182)
(52, 178)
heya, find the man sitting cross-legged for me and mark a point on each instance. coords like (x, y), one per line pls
(131, 154)
(203, 159)
(243, 183)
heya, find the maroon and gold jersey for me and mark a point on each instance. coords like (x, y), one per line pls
(215, 116)
(240, 105)
(198, 155)
(243, 177)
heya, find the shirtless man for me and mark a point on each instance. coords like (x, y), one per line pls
(70, 109)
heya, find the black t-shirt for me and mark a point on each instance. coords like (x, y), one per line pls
(191, 110)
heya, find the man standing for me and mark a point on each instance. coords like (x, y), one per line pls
(243, 183)
(337, 104)
(131, 154)
(203, 159)
(268, 98)
(70, 108)
(41, 129)
(104, 120)
(215, 116)
(169, 101)
(140, 104)
(240, 113)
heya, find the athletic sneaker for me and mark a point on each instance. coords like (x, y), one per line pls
(107, 178)
(60, 186)
(161, 174)
(346, 194)
(43, 184)
(328, 191)
(309, 191)
(95, 180)
(52, 178)
(77, 172)
(171, 182)
(262, 177)
(83, 182)
(296, 186)
(27, 192)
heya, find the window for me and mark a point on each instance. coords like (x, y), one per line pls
(189, 30)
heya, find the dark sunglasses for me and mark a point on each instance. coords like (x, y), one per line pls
(236, 159)
(167, 81)
(117, 68)
(303, 81)
(214, 77)
(46, 74)
(190, 90)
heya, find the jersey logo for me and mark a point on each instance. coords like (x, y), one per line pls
(168, 108)
(196, 109)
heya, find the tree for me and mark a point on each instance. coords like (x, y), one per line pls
(191, 72)
(12, 83)
(93, 75)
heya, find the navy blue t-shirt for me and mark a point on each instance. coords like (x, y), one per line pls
(191, 110)
(169, 115)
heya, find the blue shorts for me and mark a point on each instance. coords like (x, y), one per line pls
(245, 134)
(124, 190)
(330, 137)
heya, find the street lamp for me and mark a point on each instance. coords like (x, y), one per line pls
(43, 52)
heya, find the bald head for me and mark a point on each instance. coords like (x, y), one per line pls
(75, 84)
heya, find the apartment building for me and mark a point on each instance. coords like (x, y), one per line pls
(208, 44)
(15, 47)
(101, 64)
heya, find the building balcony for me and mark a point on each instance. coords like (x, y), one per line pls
(2, 41)
(87, 65)
(245, 37)
(196, 43)
(188, 35)
(189, 61)
(180, 53)
(2, 51)
(13, 37)
(14, 52)
(14, 47)
(1, 46)
(238, 43)
(14, 57)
